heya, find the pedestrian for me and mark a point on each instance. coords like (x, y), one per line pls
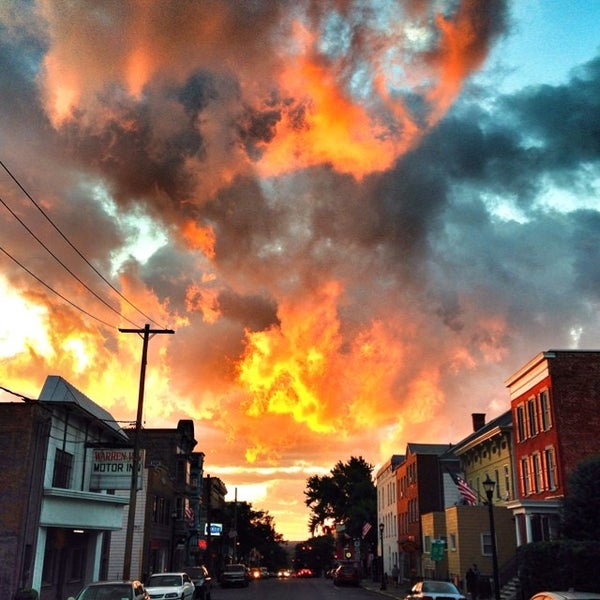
(476, 582)
(470, 579)
(395, 574)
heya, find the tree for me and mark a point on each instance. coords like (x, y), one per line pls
(256, 533)
(347, 496)
(315, 553)
(581, 505)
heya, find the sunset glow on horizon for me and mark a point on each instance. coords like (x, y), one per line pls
(358, 218)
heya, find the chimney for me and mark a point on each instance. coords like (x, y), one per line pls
(478, 420)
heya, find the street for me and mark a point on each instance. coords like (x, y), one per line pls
(291, 589)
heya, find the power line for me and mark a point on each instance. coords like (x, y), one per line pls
(17, 182)
(63, 264)
(85, 312)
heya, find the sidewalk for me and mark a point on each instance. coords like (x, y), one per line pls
(391, 591)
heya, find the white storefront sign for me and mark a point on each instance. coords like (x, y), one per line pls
(111, 469)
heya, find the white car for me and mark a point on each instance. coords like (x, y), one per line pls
(433, 590)
(170, 586)
(128, 590)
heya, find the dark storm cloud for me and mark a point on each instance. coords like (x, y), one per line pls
(197, 92)
(129, 153)
(19, 57)
(586, 252)
(564, 118)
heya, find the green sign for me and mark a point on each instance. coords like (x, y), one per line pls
(437, 550)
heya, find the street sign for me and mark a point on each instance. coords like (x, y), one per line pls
(437, 550)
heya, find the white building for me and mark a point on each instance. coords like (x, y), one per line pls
(55, 524)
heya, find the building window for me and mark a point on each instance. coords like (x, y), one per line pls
(453, 541)
(426, 544)
(525, 477)
(537, 473)
(183, 472)
(506, 482)
(521, 422)
(545, 410)
(63, 465)
(551, 478)
(532, 417)
(486, 544)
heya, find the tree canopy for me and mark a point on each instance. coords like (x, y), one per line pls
(346, 496)
(581, 505)
(255, 533)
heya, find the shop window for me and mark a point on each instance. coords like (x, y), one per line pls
(63, 465)
(77, 562)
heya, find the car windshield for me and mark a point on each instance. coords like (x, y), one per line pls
(164, 581)
(107, 592)
(235, 568)
(439, 587)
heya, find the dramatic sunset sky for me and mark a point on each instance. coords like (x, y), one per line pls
(359, 217)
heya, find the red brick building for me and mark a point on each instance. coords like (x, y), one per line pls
(424, 486)
(554, 402)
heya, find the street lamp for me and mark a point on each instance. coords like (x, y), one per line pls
(382, 562)
(488, 486)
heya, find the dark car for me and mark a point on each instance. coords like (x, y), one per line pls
(305, 572)
(346, 574)
(119, 590)
(202, 582)
(234, 575)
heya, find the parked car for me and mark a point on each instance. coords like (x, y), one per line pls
(234, 575)
(202, 582)
(569, 595)
(130, 590)
(170, 585)
(432, 590)
(346, 574)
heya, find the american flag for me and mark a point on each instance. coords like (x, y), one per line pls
(366, 528)
(189, 515)
(465, 490)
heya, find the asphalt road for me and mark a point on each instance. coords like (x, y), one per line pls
(292, 589)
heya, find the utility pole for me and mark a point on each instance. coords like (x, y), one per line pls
(235, 528)
(209, 523)
(147, 333)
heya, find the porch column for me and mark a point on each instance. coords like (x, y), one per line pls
(518, 529)
(528, 529)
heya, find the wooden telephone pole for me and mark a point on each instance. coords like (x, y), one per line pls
(146, 333)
